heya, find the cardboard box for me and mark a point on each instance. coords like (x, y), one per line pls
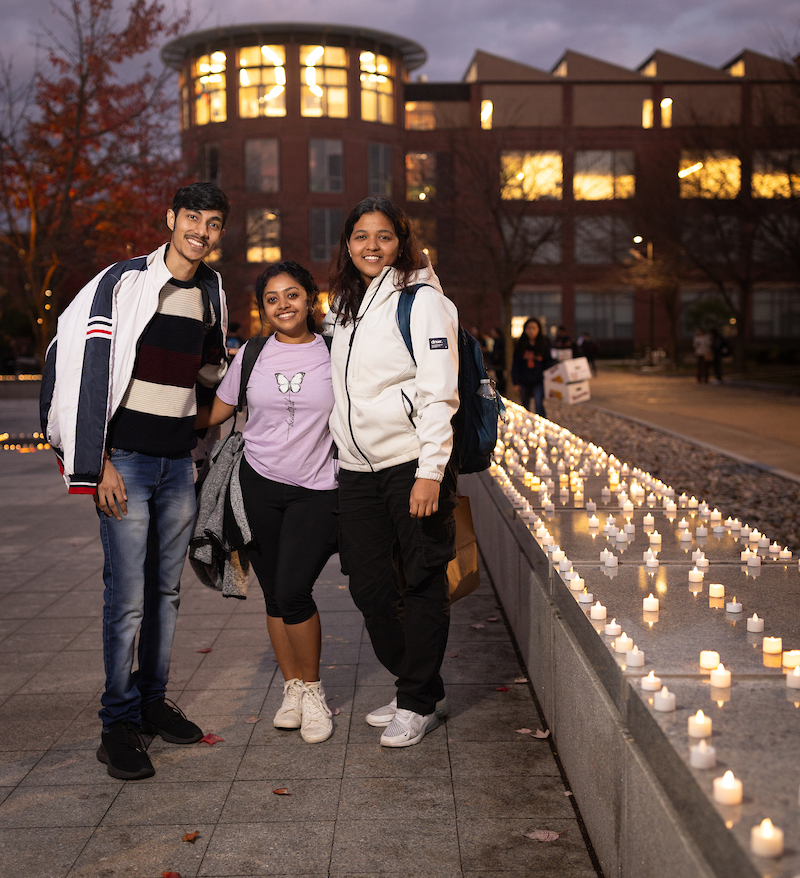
(577, 391)
(562, 354)
(567, 371)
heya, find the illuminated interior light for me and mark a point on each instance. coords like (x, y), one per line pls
(218, 57)
(422, 196)
(316, 90)
(666, 102)
(244, 79)
(269, 53)
(280, 75)
(638, 239)
(274, 92)
(521, 175)
(314, 56)
(311, 76)
(692, 169)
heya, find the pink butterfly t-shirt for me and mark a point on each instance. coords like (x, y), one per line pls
(289, 399)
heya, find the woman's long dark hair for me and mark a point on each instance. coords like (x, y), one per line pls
(539, 345)
(346, 286)
(296, 271)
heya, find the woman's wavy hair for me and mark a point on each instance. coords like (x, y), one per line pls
(346, 285)
(523, 342)
(296, 271)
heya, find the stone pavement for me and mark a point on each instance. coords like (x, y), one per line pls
(761, 426)
(456, 804)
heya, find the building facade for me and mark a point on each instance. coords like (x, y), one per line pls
(631, 204)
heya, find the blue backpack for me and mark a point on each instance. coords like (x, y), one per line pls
(475, 422)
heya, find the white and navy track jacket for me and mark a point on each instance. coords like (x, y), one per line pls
(388, 409)
(89, 364)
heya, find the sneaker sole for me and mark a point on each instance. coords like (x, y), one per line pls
(432, 724)
(147, 729)
(285, 726)
(372, 718)
(102, 756)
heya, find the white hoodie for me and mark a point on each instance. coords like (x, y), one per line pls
(388, 410)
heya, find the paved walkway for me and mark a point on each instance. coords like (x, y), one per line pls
(457, 804)
(761, 426)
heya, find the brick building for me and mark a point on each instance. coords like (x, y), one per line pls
(607, 199)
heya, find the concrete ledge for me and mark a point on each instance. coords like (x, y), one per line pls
(645, 813)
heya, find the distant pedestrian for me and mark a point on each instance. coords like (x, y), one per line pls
(701, 344)
(135, 351)
(563, 340)
(531, 357)
(719, 349)
(588, 347)
(497, 360)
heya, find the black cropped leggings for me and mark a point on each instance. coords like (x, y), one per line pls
(294, 531)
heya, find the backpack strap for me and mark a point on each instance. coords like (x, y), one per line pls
(404, 304)
(251, 352)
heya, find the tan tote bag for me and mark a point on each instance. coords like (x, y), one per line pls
(462, 571)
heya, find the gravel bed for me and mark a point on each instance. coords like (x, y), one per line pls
(761, 499)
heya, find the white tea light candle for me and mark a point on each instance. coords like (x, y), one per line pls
(623, 643)
(733, 606)
(598, 612)
(766, 840)
(716, 590)
(720, 678)
(772, 645)
(664, 701)
(635, 658)
(651, 683)
(727, 790)
(702, 755)
(709, 659)
(650, 604)
(699, 725)
(613, 628)
(754, 624)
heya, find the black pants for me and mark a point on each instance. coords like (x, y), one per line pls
(397, 567)
(294, 531)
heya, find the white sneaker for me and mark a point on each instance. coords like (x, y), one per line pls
(382, 716)
(317, 724)
(290, 713)
(408, 728)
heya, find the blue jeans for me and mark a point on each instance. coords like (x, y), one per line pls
(144, 557)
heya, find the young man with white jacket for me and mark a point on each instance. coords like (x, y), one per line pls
(135, 351)
(392, 426)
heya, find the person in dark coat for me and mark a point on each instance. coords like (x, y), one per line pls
(531, 357)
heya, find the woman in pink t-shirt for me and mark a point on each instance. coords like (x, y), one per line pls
(288, 481)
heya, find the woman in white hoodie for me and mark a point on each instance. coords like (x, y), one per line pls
(391, 424)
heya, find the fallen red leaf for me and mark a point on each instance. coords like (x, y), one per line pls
(211, 739)
(335, 711)
(478, 625)
(191, 837)
(568, 793)
(282, 791)
(253, 719)
(492, 619)
(541, 734)
(170, 875)
(521, 680)
(523, 731)
(452, 655)
(502, 689)
(207, 649)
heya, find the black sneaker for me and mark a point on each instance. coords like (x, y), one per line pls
(122, 750)
(163, 718)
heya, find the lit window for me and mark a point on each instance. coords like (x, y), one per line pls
(324, 81)
(377, 88)
(666, 112)
(531, 176)
(776, 174)
(420, 116)
(262, 81)
(602, 240)
(487, 110)
(379, 169)
(710, 174)
(261, 165)
(737, 68)
(325, 166)
(420, 176)
(186, 104)
(325, 226)
(209, 88)
(647, 113)
(263, 236)
(603, 174)
(424, 230)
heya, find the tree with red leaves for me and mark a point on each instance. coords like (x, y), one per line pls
(88, 155)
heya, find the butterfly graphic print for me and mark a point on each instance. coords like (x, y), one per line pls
(289, 384)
